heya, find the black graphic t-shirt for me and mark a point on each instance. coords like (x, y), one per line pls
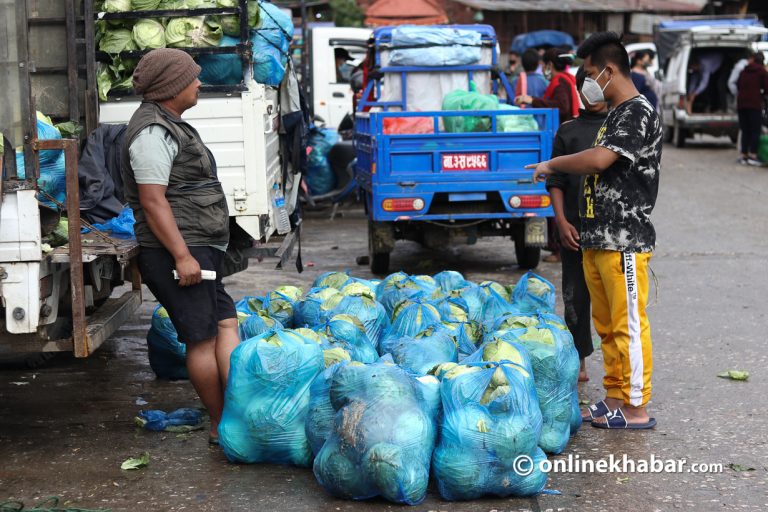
(616, 205)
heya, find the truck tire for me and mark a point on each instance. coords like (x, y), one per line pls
(678, 136)
(527, 257)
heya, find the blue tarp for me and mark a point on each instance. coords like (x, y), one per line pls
(538, 38)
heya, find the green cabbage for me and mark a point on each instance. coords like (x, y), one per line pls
(117, 40)
(144, 5)
(194, 32)
(149, 33)
(117, 5)
(231, 23)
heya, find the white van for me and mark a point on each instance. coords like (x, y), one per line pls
(709, 48)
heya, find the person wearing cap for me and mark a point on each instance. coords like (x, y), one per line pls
(182, 221)
(343, 69)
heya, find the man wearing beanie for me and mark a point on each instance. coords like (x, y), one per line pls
(182, 222)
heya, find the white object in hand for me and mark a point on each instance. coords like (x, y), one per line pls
(207, 275)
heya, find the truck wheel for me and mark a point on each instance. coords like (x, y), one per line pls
(678, 136)
(527, 257)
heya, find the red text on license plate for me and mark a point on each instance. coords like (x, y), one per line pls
(464, 161)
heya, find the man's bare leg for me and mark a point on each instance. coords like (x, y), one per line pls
(204, 376)
(226, 342)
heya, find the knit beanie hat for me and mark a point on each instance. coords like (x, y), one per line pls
(163, 73)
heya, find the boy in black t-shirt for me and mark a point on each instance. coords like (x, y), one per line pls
(621, 180)
(573, 136)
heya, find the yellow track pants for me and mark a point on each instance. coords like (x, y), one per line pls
(618, 288)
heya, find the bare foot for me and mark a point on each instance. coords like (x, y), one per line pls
(611, 403)
(634, 415)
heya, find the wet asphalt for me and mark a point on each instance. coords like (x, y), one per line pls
(66, 428)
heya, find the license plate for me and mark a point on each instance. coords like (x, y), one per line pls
(536, 232)
(464, 161)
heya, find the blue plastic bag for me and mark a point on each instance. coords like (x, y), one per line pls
(475, 298)
(120, 226)
(421, 353)
(256, 324)
(267, 399)
(321, 413)
(397, 288)
(348, 332)
(533, 293)
(320, 178)
(332, 279)
(490, 418)
(250, 304)
(555, 364)
(280, 304)
(315, 308)
(467, 336)
(167, 355)
(434, 46)
(221, 69)
(156, 420)
(271, 41)
(365, 308)
(410, 321)
(383, 434)
(452, 309)
(450, 280)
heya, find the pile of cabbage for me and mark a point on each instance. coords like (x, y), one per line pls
(377, 385)
(270, 33)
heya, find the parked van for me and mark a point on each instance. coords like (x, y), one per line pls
(698, 55)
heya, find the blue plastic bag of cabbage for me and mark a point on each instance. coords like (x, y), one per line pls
(267, 399)
(429, 348)
(533, 293)
(466, 335)
(313, 309)
(490, 418)
(348, 332)
(400, 286)
(359, 302)
(555, 364)
(258, 323)
(383, 434)
(450, 280)
(167, 355)
(411, 318)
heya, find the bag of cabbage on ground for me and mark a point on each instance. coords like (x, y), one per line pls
(555, 365)
(449, 280)
(360, 302)
(474, 297)
(279, 304)
(410, 319)
(383, 434)
(252, 325)
(348, 332)
(533, 294)
(267, 399)
(429, 348)
(490, 418)
(315, 308)
(167, 355)
(400, 286)
(466, 335)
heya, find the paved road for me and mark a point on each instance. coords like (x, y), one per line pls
(65, 429)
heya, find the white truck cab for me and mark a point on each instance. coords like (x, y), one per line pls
(331, 94)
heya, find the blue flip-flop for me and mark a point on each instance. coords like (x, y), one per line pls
(617, 420)
(596, 410)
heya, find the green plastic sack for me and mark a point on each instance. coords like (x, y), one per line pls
(762, 149)
(469, 100)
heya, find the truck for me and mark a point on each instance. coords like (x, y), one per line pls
(62, 300)
(683, 46)
(440, 188)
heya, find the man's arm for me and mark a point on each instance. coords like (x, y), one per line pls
(163, 225)
(590, 161)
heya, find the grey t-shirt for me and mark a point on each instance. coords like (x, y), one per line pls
(152, 153)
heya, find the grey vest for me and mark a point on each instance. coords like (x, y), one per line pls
(194, 191)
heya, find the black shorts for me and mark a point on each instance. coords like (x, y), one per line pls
(194, 310)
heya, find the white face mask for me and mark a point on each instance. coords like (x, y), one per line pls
(592, 91)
